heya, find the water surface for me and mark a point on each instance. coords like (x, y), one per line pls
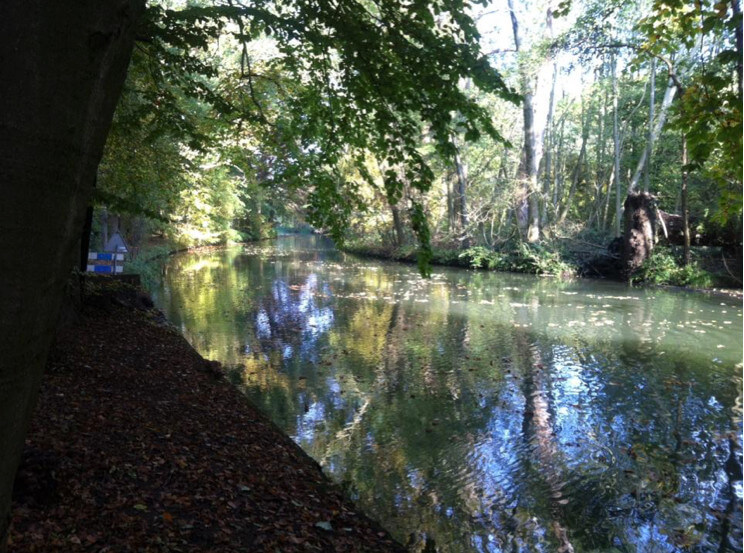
(483, 411)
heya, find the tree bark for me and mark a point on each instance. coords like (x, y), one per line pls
(531, 160)
(574, 181)
(397, 225)
(736, 8)
(616, 141)
(462, 184)
(563, 211)
(63, 66)
(649, 142)
(653, 135)
(549, 142)
(549, 138)
(685, 205)
(638, 236)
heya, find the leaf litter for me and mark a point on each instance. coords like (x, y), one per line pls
(139, 444)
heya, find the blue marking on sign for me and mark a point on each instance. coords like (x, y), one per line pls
(105, 256)
(103, 269)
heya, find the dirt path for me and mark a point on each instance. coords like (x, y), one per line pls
(138, 444)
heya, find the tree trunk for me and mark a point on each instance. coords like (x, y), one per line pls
(685, 205)
(640, 225)
(85, 239)
(530, 140)
(397, 225)
(574, 181)
(462, 185)
(599, 169)
(560, 165)
(450, 202)
(63, 65)
(653, 135)
(549, 142)
(549, 139)
(616, 141)
(649, 142)
(563, 212)
(736, 8)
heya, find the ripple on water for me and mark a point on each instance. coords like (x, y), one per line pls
(487, 412)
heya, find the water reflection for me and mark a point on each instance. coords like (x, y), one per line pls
(486, 412)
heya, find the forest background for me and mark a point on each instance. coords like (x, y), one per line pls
(215, 140)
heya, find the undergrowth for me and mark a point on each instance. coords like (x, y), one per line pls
(662, 267)
(518, 257)
(521, 258)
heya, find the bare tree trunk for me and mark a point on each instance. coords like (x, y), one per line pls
(685, 205)
(450, 202)
(563, 212)
(736, 8)
(574, 181)
(653, 135)
(530, 153)
(616, 141)
(63, 65)
(638, 237)
(549, 140)
(462, 184)
(649, 143)
(560, 166)
(397, 225)
(598, 173)
(606, 213)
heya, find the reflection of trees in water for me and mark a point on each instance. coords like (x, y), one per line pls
(416, 410)
(542, 457)
(405, 465)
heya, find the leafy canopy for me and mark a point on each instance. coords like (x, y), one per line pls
(347, 78)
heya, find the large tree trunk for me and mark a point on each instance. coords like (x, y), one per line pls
(640, 225)
(61, 71)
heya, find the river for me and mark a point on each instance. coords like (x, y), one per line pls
(479, 411)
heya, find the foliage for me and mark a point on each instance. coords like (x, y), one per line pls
(522, 258)
(709, 79)
(664, 268)
(360, 120)
(343, 80)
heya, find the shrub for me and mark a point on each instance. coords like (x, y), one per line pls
(521, 258)
(663, 268)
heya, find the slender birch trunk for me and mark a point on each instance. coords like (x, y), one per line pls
(616, 140)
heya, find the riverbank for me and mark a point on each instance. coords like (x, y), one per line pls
(139, 444)
(546, 261)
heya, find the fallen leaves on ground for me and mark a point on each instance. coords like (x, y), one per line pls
(137, 444)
